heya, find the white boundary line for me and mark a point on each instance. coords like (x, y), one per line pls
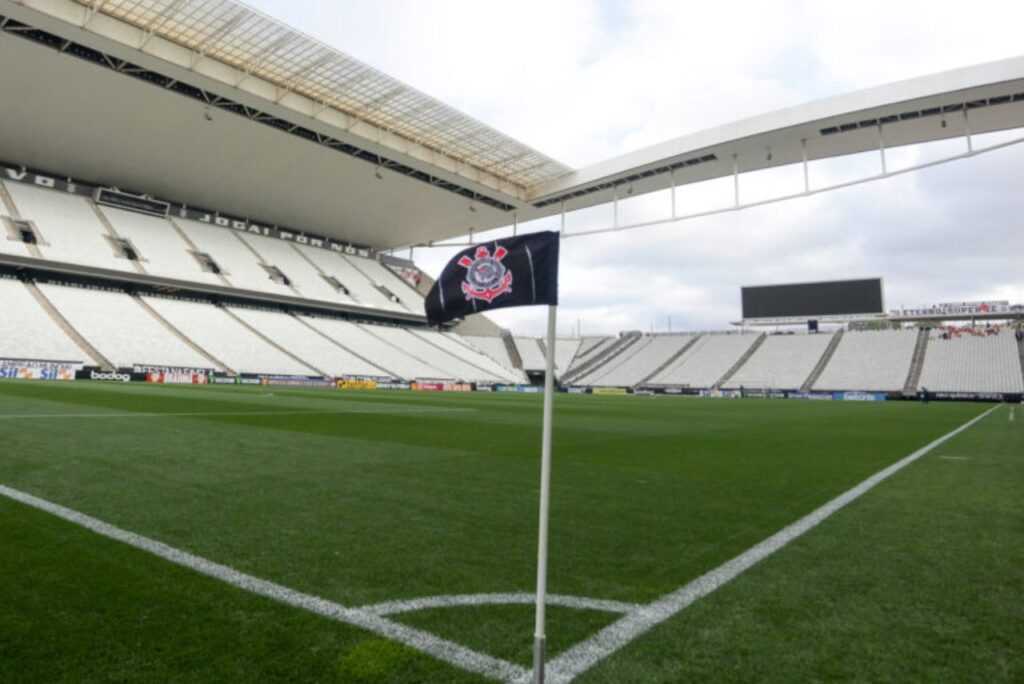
(584, 655)
(426, 603)
(425, 642)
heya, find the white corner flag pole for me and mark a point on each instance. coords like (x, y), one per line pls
(545, 491)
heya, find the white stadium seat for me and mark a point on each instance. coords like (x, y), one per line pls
(380, 274)
(360, 340)
(361, 290)
(458, 347)
(970, 363)
(241, 267)
(531, 353)
(782, 362)
(435, 356)
(565, 352)
(67, 227)
(27, 331)
(121, 329)
(304, 277)
(637, 362)
(230, 342)
(491, 345)
(877, 360)
(161, 250)
(704, 364)
(291, 334)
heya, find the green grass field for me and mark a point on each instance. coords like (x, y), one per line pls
(362, 498)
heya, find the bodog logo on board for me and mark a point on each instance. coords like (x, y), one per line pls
(116, 377)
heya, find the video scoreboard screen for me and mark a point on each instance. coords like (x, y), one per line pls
(809, 300)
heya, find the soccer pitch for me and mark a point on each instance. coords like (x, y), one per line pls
(391, 537)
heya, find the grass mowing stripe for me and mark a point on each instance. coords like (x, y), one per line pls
(441, 649)
(586, 654)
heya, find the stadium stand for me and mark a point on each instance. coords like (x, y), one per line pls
(380, 275)
(304, 278)
(427, 350)
(121, 330)
(972, 363)
(226, 339)
(359, 340)
(457, 347)
(238, 265)
(706, 361)
(493, 346)
(636, 363)
(589, 345)
(68, 227)
(875, 360)
(290, 334)
(782, 362)
(160, 248)
(10, 239)
(28, 332)
(117, 329)
(565, 353)
(531, 353)
(360, 289)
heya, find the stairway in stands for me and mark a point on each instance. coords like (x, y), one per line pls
(742, 360)
(510, 347)
(917, 362)
(822, 362)
(624, 342)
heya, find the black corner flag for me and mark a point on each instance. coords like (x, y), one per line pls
(516, 271)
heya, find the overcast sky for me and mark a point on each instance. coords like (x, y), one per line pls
(583, 80)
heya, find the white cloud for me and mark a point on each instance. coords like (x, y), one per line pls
(584, 80)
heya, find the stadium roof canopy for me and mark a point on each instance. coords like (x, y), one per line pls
(213, 104)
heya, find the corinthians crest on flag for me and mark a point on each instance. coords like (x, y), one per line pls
(517, 271)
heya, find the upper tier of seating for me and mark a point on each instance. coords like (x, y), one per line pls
(161, 248)
(68, 227)
(73, 229)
